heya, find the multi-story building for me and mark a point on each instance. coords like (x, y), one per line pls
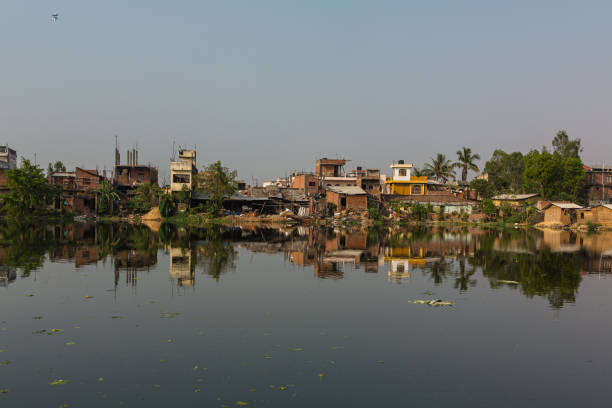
(183, 170)
(599, 184)
(330, 172)
(403, 183)
(132, 174)
(8, 158)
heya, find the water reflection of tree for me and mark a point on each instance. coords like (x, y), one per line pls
(464, 278)
(216, 256)
(26, 245)
(543, 273)
(439, 270)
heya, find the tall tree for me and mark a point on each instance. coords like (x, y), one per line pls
(440, 168)
(57, 167)
(465, 162)
(565, 147)
(29, 192)
(505, 170)
(217, 182)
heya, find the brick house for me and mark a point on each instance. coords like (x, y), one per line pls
(347, 198)
(599, 184)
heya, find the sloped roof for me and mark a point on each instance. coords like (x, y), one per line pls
(564, 205)
(513, 197)
(63, 174)
(293, 195)
(348, 190)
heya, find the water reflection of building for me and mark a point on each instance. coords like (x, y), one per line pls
(401, 259)
(598, 248)
(132, 262)
(343, 247)
(7, 275)
(560, 241)
(76, 242)
(182, 267)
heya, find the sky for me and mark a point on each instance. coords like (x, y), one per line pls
(268, 87)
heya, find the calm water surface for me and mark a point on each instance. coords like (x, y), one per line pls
(159, 316)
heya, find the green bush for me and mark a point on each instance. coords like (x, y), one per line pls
(167, 208)
(591, 226)
(489, 208)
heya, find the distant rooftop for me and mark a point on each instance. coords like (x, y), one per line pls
(565, 205)
(349, 190)
(513, 197)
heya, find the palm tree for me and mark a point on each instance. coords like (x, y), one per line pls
(465, 162)
(416, 172)
(107, 196)
(440, 168)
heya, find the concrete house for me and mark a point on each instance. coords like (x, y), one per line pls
(131, 175)
(403, 183)
(8, 158)
(599, 184)
(183, 171)
(306, 182)
(331, 173)
(347, 198)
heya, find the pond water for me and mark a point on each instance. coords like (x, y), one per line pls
(117, 315)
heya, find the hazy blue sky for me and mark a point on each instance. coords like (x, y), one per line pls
(269, 86)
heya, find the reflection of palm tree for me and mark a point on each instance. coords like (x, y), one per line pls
(462, 281)
(438, 271)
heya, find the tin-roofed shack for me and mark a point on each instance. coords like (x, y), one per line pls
(600, 215)
(351, 198)
(560, 213)
(515, 200)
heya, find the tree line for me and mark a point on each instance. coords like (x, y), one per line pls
(555, 173)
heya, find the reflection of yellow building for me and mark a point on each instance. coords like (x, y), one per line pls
(181, 267)
(400, 260)
(402, 183)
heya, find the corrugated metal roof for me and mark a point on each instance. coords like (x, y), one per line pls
(514, 196)
(236, 197)
(64, 174)
(565, 206)
(349, 190)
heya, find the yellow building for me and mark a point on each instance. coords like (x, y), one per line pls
(403, 183)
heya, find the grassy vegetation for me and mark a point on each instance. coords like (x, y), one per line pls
(592, 227)
(184, 219)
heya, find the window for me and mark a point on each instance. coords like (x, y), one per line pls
(311, 184)
(180, 178)
(582, 216)
(416, 189)
(402, 172)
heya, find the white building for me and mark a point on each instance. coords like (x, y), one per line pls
(183, 171)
